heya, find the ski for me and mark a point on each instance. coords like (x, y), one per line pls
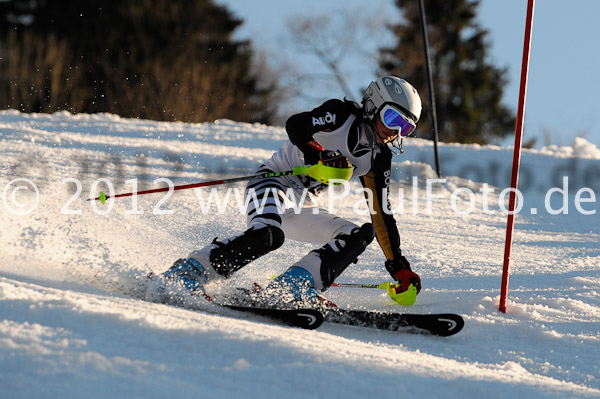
(155, 290)
(304, 318)
(443, 324)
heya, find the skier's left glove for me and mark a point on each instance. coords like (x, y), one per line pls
(400, 270)
(334, 159)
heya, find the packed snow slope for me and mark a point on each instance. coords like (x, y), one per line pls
(71, 326)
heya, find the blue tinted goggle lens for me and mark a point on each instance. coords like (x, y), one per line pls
(395, 120)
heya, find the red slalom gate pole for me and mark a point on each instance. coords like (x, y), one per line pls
(516, 156)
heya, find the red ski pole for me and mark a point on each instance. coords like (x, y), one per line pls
(319, 171)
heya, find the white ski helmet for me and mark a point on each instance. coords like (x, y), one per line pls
(395, 91)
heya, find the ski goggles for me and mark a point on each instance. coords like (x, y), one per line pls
(394, 119)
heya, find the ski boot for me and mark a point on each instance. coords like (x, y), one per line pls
(189, 272)
(291, 290)
(221, 259)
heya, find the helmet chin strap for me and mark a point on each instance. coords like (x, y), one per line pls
(397, 145)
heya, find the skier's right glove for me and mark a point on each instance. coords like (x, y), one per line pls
(401, 272)
(311, 150)
(334, 159)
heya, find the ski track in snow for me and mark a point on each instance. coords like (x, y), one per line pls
(67, 330)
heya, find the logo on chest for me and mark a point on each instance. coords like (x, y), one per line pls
(322, 120)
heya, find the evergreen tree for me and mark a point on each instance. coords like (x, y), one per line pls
(156, 59)
(468, 89)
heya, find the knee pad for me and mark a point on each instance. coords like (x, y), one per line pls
(349, 247)
(229, 256)
(328, 262)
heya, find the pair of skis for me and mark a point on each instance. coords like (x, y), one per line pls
(444, 324)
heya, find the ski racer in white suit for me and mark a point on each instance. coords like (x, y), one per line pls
(338, 133)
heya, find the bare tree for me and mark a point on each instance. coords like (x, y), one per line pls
(337, 40)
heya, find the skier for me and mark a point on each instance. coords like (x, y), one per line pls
(340, 134)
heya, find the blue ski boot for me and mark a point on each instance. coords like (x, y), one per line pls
(189, 272)
(292, 289)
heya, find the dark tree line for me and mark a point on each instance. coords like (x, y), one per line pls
(155, 59)
(178, 60)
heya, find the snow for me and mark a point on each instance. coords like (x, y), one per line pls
(68, 329)
(581, 148)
